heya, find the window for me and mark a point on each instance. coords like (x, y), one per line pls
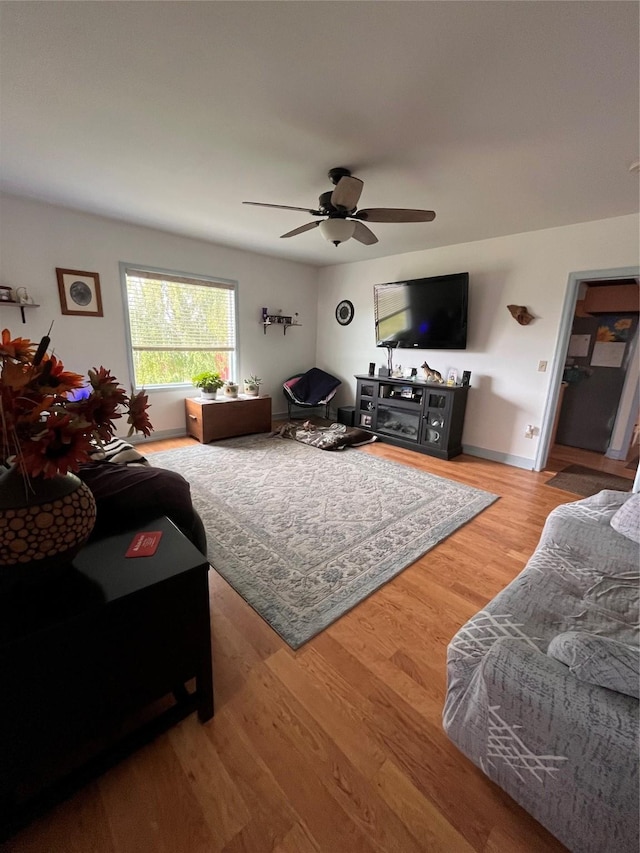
(178, 326)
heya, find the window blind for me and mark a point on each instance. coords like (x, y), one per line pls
(173, 313)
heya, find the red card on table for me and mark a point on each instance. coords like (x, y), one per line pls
(144, 544)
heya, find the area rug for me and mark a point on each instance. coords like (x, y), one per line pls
(303, 535)
(588, 481)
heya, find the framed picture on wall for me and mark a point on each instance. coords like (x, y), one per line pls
(79, 292)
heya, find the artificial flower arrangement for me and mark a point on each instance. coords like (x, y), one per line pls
(50, 418)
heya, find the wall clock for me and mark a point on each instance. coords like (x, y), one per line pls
(344, 312)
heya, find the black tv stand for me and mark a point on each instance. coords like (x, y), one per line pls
(423, 416)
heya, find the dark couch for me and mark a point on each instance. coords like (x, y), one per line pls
(133, 494)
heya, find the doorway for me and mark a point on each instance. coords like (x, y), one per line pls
(627, 410)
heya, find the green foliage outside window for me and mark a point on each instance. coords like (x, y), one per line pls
(179, 327)
(168, 368)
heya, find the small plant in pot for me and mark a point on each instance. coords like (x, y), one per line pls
(252, 386)
(230, 388)
(208, 382)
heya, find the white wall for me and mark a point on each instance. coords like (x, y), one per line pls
(507, 390)
(36, 238)
(529, 269)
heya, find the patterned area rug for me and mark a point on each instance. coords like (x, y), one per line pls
(304, 535)
(588, 481)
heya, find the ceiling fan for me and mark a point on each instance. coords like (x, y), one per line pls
(344, 220)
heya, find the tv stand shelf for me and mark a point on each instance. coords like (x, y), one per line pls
(423, 416)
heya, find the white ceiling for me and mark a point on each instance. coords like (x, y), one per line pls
(503, 117)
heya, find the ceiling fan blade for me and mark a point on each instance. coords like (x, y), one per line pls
(364, 235)
(394, 214)
(347, 193)
(285, 207)
(301, 229)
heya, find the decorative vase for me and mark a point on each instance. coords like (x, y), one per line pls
(230, 390)
(43, 522)
(208, 395)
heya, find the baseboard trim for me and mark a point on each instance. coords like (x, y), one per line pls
(480, 452)
(619, 455)
(496, 456)
(158, 435)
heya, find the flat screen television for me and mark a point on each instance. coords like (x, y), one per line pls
(423, 313)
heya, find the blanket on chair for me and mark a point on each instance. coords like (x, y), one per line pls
(314, 386)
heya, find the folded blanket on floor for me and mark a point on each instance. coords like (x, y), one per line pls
(333, 437)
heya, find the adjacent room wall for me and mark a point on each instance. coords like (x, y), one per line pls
(36, 238)
(508, 392)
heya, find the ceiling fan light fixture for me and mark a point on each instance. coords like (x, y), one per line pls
(336, 231)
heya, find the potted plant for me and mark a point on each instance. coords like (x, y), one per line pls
(230, 388)
(252, 386)
(208, 381)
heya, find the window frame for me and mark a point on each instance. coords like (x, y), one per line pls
(229, 284)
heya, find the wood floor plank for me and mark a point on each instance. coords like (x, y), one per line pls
(343, 761)
(338, 747)
(298, 840)
(220, 801)
(425, 822)
(150, 781)
(272, 813)
(76, 826)
(334, 708)
(277, 728)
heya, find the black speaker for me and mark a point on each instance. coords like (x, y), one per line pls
(347, 415)
(466, 377)
(372, 368)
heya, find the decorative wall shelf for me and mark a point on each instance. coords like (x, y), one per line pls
(283, 321)
(20, 305)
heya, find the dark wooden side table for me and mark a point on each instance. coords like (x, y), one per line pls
(211, 420)
(97, 661)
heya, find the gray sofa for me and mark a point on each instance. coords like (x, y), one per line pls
(543, 683)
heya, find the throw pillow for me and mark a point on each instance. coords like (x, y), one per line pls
(119, 451)
(599, 660)
(627, 519)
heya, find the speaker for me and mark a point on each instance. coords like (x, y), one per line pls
(347, 415)
(466, 377)
(372, 368)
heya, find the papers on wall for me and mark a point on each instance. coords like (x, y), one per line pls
(607, 354)
(579, 346)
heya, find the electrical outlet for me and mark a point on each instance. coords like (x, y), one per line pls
(542, 366)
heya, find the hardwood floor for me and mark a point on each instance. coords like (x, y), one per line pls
(337, 747)
(561, 455)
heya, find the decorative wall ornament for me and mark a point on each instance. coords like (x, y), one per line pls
(79, 292)
(520, 313)
(344, 312)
